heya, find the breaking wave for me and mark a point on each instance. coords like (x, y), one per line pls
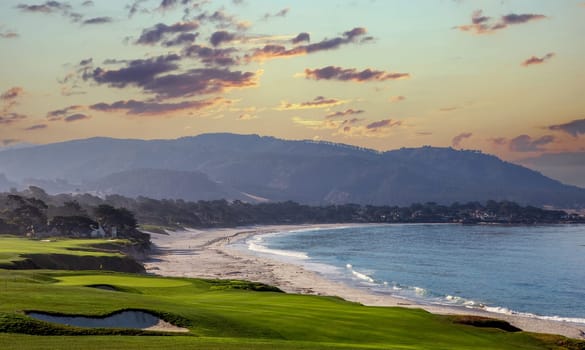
(256, 244)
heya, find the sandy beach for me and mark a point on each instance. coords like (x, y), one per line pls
(208, 254)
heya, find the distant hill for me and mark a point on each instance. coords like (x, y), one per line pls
(161, 184)
(266, 167)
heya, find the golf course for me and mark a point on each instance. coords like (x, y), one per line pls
(218, 314)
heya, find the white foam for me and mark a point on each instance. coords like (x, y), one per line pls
(420, 291)
(362, 276)
(359, 275)
(256, 246)
(506, 311)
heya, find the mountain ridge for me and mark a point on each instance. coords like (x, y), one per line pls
(312, 172)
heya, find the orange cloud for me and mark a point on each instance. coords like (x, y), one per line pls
(395, 99)
(325, 124)
(317, 102)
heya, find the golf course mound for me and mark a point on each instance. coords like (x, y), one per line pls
(76, 262)
(129, 319)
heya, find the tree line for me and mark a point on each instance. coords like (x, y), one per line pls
(35, 214)
(32, 212)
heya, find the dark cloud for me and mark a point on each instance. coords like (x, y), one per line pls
(47, 7)
(279, 51)
(220, 37)
(36, 127)
(133, 107)
(519, 19)
(355, 32)
(281, 13)
(168, 4)
(538, 60)
(98, 20)
(301, 37)
(456, 141)
(10, 118)
(352, 74)
(86, 62)
(137, 72)
(574, 128)
(212, 56)
(147, 75)
(52, 7)
(222, 20)
(344, 113)
(199, 82)
(155, 34)
(136, 7)
(525, 143)
(386, 123)
(181, 39)
(76, 117)
(87, 3)
(58, 114)
(481, 24)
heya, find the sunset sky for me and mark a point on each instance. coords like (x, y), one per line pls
(506, 77)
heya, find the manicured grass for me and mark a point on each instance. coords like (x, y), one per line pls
(12, 248)
(220, 317)
(220, 314)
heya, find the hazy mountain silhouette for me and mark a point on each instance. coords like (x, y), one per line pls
(161, 184)
(267, 167)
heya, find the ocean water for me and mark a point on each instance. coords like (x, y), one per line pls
(534, 270)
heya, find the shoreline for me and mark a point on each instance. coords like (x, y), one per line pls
(208, 254)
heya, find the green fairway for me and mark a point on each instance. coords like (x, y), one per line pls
(11, 248)
(224, 315)
(219, 314)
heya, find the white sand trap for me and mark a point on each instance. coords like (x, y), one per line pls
(124, 319)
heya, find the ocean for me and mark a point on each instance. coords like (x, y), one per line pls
(537, 271)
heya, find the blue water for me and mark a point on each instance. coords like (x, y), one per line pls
(538, 270)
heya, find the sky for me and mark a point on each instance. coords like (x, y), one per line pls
(506, 77)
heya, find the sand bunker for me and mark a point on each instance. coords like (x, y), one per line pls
(125, 319)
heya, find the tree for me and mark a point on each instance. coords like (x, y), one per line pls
(27, 214)
(121, 218)
(72, 225)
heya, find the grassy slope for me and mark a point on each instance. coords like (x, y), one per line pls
(220, 314)
(226, 318)
(11, 248)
